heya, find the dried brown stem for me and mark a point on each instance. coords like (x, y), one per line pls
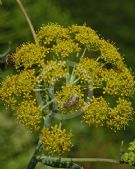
(28, 20)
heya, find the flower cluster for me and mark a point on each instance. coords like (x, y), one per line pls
(109, 52)
(18, 85)
(28, 55)
(51, 33)
(129, 157)
(96, 111)
(69, 98)
(56, 140)
(118, 82)
(29, 114)
(8, 88)
(66, 67)
(84, 35)
(120, 115)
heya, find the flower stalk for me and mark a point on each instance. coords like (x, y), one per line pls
(28, 20)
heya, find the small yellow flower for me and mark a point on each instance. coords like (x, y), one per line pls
(84, 35)
(29, 114)
(56, 140)
(119, 116)
(69, 98)
(28, 55)
(96, 111)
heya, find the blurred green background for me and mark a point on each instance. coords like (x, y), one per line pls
(114, 20)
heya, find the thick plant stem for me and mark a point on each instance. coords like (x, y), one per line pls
(80, 160)
(93, 160)
(33, 161)
(28, 20)
(71, 162)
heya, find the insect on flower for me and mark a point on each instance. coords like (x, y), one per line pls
(71, 102)
(9, 60)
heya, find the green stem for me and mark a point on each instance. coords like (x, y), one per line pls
(71, 162)
(48, 103)
(93, 160)
(48, 119)
(38, 90)
(58, 162)
(33, 161)
(76, 80)
(83, 53)
(72, 75)
(80, 160)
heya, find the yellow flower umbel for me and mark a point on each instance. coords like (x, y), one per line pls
(56, 140)
(118, 82)
(109, 52)
(29, 114)
(119, 116)
(51, 33)
(18, 85)
(29, 55)
(8, 89)
(69, 98)
(26, 82)
(84, 35)
(96, 112)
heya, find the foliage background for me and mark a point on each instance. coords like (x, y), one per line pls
(112, 19)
